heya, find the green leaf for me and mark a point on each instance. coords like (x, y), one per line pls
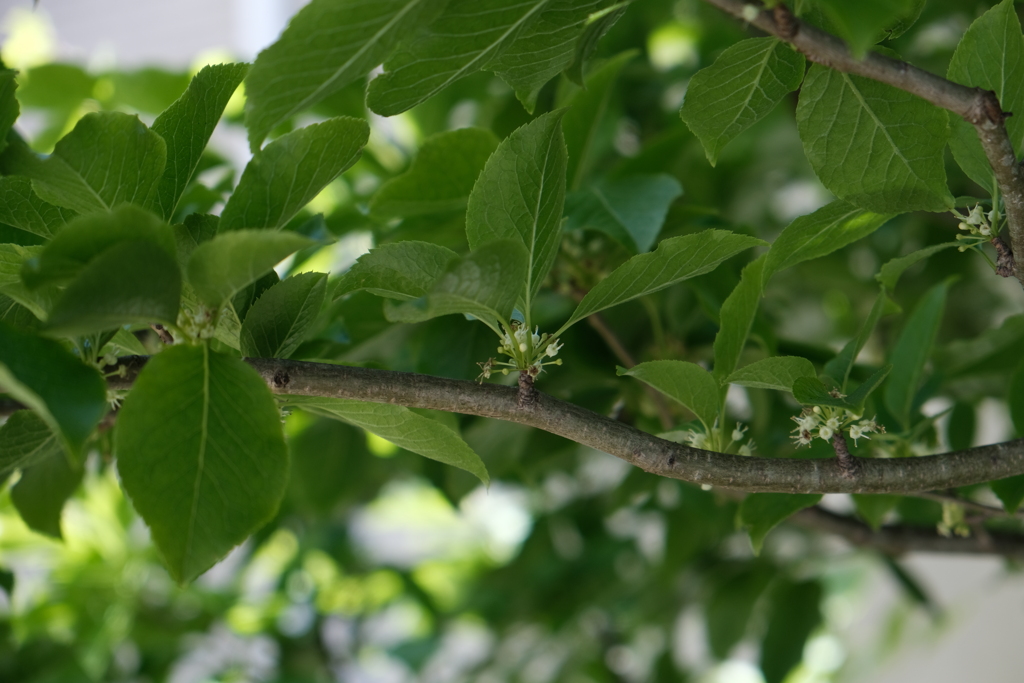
(912, 350)
(22, 208)
(485, 284)
(279, 320)
(464, 39)
(108, 159)
(988, 57)
(759, 513)
(596, 25)
(327, 45)
(818, 234)
(863, 23)
(630, 209)
(197, 228)
(124, 343)
(688, 383)
(543, 48)
(737, 316)
(794, 614)
(285, 175)
(201, 454)
(742, 87)
(1010, 492)
(839, 367)
(230, 261)
(872, 144)
(13, 260)
(520, 195)
(400, 426)
(25, 440)
(186, 127)
(675, 259)
(68, 395)
(131, 282)
(440, 178)
(9, 108)
(401, 270)
(1015, 399)
(809, 391)
(243, 300)
(585, 112)
(777, 373)
(893, 269)
(873, 508)
(42, 490)
(730, 607)
(860, 395)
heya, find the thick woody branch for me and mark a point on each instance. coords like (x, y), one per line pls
(660, 457)
(978, 107)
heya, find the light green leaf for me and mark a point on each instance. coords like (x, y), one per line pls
(25, 440)
(440, 178)
(13, 260)
(464, 39)
(890, 273)
(630, 209)
(818, 234)
(872, 144)
(810, 391)
(42, 490)
(124, 343)
(9, 108)
(108, 159)
(131, 282)
(520, 195)
(201, 454)
(742, 87)
(737, 317)
(400, 426)
(68, 395)
(777, 373)
(186, 127)
(688, 383)
(911, 352)
(873, 508)
(990, 56)
(22, 208)
(675, 259)
(863, 23)
(230, 261)
(277, 323)
(485, 284)
(327, 45)
(861, 393)
(596, 25)
(401, 270)
(759, 513)
(285, 175)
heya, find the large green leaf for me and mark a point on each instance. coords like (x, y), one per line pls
(743, 85)
(440, 178)
(912, 350)
(485, 284)
(68, 395)
(402, 427)
(675, 259)
(277, 323)
(227, 263)
(817, 234)
(893, 269)
(201, 454)
(520, 195)
(990, 56)
(872, 144)
(777, 373)
(688, 383)
(730, 607)
(401, 270)
(42, 490)
(9, 108)
(596, 25)
(22, 208)
(13, 260)
(186, 127)
(25, 440)
(1010, 492)
(794, 614)
(630, 209)
(759, 513)
(327, 45)
(108, 159)
(465, 38)
(285, 175)
(131, 282)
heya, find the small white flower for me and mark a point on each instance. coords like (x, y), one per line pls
(825, 432)
(858, 432)
(832, 423)
(977, 216)
(964, 226)
(696, 439)
(522, 346)
(737, 433)
(553, 348)
(745, 449)
(750, 12)
(806, 422)
(804, 438)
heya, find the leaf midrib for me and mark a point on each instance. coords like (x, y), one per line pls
(204, 430)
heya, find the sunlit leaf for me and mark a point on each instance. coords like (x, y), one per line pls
(777, 373)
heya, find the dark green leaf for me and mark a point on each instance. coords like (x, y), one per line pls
(759, 513)
(730, 607)
(42, 490)
(839, 367)
(13, 260)
(794, 614)
(737, 316)
(25, 440)
(243, 300)
(68, 395)
(873, 508)
(9, 108)
(186, 127)
(401, 270)
(279, 320)
(688, 383)
(809, 391)
(742, 87)
(860, 395)
(596, 25)
(197, 228)
(285, 175)
(890, 273)
(863, 23)
(1010, 492)
(961, 426)
(201, 454)
(1015, 399)
(22, 208)
(630, 209)
(777, 373)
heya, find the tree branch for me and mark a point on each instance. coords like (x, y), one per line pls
(660, 457)
(978, 107)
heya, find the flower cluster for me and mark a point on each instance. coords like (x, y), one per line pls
(526, 350)
(712, 441)
(953, 521)
(978, 225)
(823, 423)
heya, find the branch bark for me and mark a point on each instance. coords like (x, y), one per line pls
(978, 107)
(654, 455)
